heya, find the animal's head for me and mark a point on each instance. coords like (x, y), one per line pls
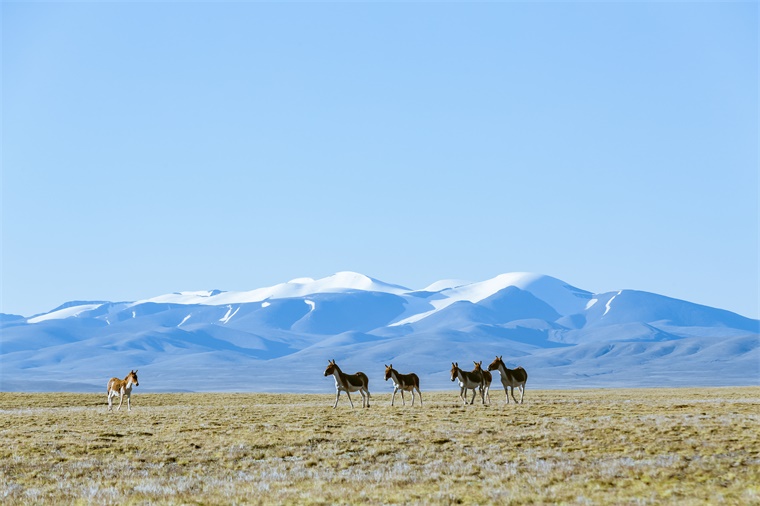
(454, 370)
(133, 378)
(388, 369)
(495, 364)
(478, 365)
(331, 366)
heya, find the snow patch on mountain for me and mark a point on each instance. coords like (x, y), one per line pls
(609, 303)
(565, 299)
(228, 316)
(300, 287)
(69, 312)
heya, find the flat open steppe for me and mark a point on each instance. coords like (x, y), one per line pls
(620, 446)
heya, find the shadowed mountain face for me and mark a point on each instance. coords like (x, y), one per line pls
(249, 341)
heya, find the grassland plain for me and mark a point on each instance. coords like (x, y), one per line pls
(620, 446)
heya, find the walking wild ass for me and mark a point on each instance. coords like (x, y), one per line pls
(468, 380)
(348, 383)
(510, 378)
(121, 388)
(408, 382)
(487, 378)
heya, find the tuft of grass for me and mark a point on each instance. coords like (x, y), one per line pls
(647, 446)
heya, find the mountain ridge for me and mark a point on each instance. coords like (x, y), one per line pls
(564, 336)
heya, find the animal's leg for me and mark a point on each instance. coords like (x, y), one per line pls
(522, 393)
(110, 402)
(463, 395)
(403, 401)
(368, 396)
(349, 399)
(506, 391)
(129, 403)
(513, 394)
(418, 393)
(337, 396)
(394, 395)
(473, 397)
(121, 399)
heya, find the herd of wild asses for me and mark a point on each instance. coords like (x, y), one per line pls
(477, 380)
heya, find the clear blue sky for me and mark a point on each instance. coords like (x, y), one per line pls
(149, 148)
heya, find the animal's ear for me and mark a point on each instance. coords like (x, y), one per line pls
(135, 371)
(500, 356)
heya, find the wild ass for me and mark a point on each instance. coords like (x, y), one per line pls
(487, 378)
(348, 383)
(408, 382)
(468, 380)
(121, 388)
(510, 378)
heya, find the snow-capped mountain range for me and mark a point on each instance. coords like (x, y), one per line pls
(280, 338)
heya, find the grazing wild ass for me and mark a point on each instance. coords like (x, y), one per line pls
(122, 388)
(408, 382)
(468, 380)
(487, 378)
(348, 383)
(510, 378)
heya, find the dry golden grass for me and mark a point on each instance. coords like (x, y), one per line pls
(648, 446)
